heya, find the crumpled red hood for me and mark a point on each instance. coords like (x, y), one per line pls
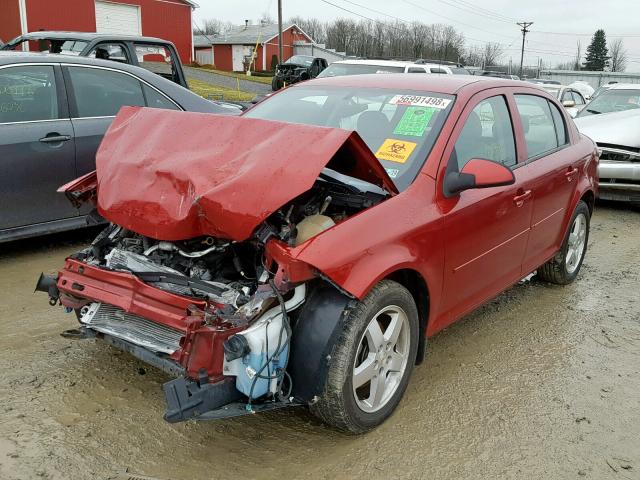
(176, 175)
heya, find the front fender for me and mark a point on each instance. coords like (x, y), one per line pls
(314, 336)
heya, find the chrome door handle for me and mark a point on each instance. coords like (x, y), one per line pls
(570, 173)
(55, 139)
(519, 199)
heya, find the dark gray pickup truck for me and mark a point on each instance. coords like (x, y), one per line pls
(154, 54)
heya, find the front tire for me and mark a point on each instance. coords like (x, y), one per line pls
(563, 268)
(372, 360)
(276, 83)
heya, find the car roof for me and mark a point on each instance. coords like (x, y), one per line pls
(88, 36)
(623, 86)
(448, 84)
(386, 63)
(7, 57)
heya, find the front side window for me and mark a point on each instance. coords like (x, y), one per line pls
(537, 123)
(399, 127)
(101, 93)
(27, 94)
(487, 134)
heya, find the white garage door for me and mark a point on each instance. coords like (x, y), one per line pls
(118, 18)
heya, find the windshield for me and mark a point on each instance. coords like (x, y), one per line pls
(400, 127)
(341, 69)
(300, 60)
(459, 71)
(555, 91)
(45, 45)
(613, 101)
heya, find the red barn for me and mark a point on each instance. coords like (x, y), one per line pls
(233, 51)
(166, 19)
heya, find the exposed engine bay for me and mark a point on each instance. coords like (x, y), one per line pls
(228, 272)
(232, 285)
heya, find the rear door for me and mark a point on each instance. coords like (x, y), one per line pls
(486, 230)
(552, 174)
(37, 153)
(96, 94)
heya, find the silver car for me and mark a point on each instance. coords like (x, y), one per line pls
(618, 138)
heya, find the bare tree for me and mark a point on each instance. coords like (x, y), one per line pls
(373, 38)
(266, 19)
(474, 56)
(618, 56)
(577, 61)
(212, 26)
(492, 53)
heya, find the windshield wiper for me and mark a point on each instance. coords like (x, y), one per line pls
(593, 111)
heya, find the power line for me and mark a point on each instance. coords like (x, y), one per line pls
(485, 15)
(506, 47)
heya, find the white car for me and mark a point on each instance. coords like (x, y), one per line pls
(359, 67)
(584, 88)
(571, 99)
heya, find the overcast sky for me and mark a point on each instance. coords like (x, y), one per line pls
(557, 25)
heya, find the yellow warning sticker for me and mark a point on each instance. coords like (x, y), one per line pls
(395, 150)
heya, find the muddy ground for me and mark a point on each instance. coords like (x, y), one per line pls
(542, 382)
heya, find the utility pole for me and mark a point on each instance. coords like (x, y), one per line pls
(280, 51)
(525, 26)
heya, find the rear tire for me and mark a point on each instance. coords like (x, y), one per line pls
(563, 268)
(376, 351)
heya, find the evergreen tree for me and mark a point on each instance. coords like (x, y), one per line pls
(597, 52)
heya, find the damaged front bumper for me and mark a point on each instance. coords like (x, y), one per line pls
(181, 336)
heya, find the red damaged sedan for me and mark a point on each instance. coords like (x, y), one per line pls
(301, 254)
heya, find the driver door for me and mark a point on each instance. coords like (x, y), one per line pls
(485, 230)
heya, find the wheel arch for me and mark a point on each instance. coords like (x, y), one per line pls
(413, 281)
(589, 198)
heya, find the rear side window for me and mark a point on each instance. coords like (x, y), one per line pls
(27, 94)
(561, 126)
(577, 98)
(157, 59)
(537, 123)
(101, 93)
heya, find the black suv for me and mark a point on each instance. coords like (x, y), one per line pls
(297, 69)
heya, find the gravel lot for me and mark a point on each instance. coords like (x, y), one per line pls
(542, 382)
(226, 81)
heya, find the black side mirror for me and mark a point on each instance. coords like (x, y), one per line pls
(477, 173)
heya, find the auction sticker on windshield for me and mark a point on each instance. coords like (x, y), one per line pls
(420, 101)
(414, 122)
(394, 150)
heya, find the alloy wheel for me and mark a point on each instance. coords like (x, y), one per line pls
(381, 358)
(576, 243)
